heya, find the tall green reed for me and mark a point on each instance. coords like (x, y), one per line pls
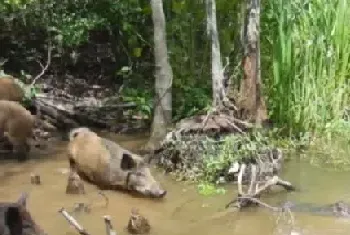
(310, 72)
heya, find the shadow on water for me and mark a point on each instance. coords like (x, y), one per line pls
(182, 212)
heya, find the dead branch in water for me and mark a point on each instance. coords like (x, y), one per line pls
(254, 191)
(73, 222)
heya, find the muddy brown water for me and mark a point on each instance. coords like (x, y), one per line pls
(183, 211)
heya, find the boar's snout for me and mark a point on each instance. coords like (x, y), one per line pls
(154, 191)
(160, 193)
(145, 184)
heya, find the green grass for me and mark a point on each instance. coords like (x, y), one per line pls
(309, 83)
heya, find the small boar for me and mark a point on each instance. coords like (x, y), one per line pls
(18, 123)
(9, 89)
(15, 219)
(108, 165)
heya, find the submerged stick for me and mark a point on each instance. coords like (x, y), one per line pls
(73, 222)
(109, 227)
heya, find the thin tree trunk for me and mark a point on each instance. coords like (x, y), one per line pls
(163, 76)
(216, 64)
(252, 103)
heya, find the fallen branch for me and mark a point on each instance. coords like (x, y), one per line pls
(255, 190)
(73, 222)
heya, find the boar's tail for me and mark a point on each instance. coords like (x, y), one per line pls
(74, 132)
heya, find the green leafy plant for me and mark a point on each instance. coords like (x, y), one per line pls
(142, 100)
(208, 189)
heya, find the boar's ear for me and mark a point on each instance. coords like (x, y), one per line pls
(13, 220)
(127, 162)
(22, 200)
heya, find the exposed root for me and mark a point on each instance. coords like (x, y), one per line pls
(214, 121)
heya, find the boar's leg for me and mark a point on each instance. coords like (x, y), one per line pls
(21, 151)
(127, 162)
(72, 164)
(20, 147)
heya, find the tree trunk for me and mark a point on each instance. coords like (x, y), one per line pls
(163, 77)
(219, 95)
(252, 103)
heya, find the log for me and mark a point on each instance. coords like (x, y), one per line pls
(67, 113)
(58, 116)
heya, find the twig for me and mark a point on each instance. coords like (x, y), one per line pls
(109, 227)
(253, 178)
(205, 121)
(44, 68)
(73, 222)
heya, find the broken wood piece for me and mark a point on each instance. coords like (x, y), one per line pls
(73, 222)
(74, 184)
(35, 179)
(109, 227)
(138, 224)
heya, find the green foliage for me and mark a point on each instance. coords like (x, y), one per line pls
(143, 100)
(208, 189)
(331, 150)
(310, 42)
(234, 148)
(190, 50)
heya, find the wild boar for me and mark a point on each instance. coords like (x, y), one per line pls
(10, 90)
(110, 166)
(16, 219)
(18, 124)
